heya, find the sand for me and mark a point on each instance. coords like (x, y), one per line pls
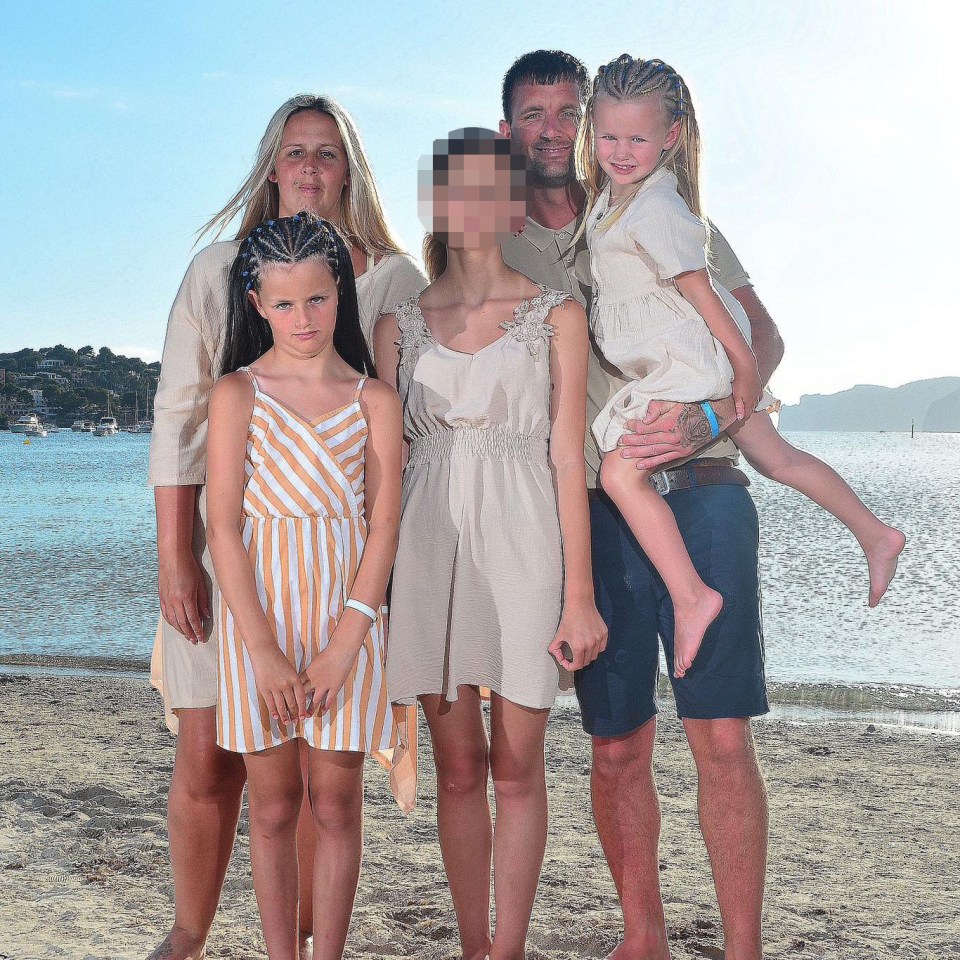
(864, 853)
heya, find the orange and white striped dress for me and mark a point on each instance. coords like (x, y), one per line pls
(304, 528)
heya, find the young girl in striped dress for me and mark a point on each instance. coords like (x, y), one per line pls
(303, 490)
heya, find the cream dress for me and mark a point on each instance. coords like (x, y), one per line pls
(640, 321)
(478, 580)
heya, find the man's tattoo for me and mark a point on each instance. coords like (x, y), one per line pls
(693, 428)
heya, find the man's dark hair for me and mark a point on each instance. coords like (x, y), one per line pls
(545, 67)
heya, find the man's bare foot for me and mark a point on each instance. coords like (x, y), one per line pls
(654, 946)
(690, 622)
(306, 946)
(179, 945)
(882, 556)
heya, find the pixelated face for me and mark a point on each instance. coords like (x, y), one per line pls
(311, 170)
(544, 125)
(477, 202)
(630, 136)
(299, 301)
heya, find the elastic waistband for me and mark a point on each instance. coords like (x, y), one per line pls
(492, 443)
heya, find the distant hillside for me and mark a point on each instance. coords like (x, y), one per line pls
(933, 405)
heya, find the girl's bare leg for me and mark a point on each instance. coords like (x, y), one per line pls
(520, 836)
(306, 850)
(275, 785)
(336, 796)
(695, 605)
(461, 754)
(773, 457)
(202, 812)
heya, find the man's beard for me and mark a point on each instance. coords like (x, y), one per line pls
(539, 177)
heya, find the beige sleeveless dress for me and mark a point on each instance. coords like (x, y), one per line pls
(478, 580)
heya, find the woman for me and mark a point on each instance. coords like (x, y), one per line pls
(310, 158)
(492, 587)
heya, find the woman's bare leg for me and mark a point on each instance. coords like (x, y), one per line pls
(520, 835)
(461, 754)
(771, 455)
(275, 785)
(206, 790)
(336, 797)
(695, 605)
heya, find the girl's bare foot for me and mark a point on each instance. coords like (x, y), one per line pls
(882, 556)
(179, 945)
(306, 946)
(690, 623)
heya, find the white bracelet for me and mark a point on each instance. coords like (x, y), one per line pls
(363, 608)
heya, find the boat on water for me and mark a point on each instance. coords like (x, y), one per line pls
(36, 430)
(51, 428)
(144, 426)
(25, 424)
(82, 426)
(107, 427)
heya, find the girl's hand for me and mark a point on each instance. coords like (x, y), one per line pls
(581, 637)
(280, 686)
(326, 675)
(746, 388)
(183, 597)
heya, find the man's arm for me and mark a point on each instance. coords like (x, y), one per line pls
(672, 431)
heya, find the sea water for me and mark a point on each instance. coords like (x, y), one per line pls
(78, 568)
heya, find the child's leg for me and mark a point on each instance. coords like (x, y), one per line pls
(695, 605)
(520, 836)
(336, 797)
(461, 755)
(275, 786)
(773, 457)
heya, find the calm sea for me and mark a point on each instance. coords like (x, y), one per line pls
(78, 566)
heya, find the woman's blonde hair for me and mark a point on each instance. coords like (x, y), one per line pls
(362, 219)
(628, 79)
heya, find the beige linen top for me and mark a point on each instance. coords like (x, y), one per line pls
(194, 344)
(545, 257)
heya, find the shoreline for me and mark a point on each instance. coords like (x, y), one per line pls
(897, 706)
(864, 830)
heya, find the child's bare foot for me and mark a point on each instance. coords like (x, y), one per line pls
(179, 945)
(882, 556)
(690, 622)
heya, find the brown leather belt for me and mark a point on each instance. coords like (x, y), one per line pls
(704, 472)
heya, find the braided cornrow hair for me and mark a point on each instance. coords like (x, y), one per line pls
(290, 240)
(628, 79)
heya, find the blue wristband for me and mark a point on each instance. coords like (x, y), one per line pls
(711, 416)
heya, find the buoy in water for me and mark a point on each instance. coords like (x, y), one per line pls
(26, 443)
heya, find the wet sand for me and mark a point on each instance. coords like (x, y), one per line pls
(864, 853)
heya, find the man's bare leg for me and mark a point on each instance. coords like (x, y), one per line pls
(202, 812)
(627, 813)
(732, 801)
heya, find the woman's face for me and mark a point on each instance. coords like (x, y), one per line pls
(299, 301)
(478, 202)
(311, 171)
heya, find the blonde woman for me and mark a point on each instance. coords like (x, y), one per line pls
(310, 158)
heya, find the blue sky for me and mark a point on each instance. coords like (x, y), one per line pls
(829, 130)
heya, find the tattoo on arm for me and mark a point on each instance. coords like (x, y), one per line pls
(693, 428)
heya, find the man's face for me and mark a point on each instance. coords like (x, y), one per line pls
(545, 121)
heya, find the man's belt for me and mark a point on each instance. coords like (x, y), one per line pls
(704, 472)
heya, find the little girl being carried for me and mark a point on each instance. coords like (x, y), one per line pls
(658, 318)
(303, 494)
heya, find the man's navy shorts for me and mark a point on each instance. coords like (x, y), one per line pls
(618, 691)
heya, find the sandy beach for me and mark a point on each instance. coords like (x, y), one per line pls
(864, 854)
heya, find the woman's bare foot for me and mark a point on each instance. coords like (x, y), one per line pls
(691, 620)
(882, 556)
(179, 945)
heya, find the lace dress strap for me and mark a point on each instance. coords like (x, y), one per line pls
(412, 325)
(529, 325)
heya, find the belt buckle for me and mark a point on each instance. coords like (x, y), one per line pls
(661, 482)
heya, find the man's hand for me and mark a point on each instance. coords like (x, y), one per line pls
(671, 431)
(581, 637)
(183, 597)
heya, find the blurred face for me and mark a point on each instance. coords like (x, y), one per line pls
(311, 171)
(544, 124)
(299, 301)
(629, 137)
(476, 204)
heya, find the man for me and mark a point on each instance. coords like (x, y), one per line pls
(543, 97)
